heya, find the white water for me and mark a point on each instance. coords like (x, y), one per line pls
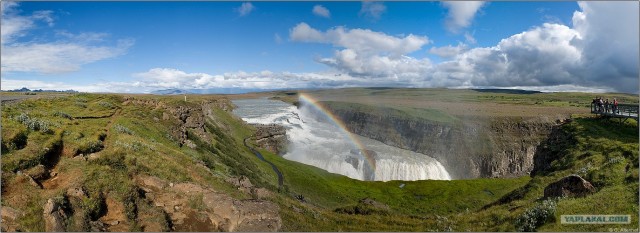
(316, 141)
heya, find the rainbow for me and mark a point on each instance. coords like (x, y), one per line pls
(335, 120)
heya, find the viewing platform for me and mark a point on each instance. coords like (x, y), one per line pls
(623, 111)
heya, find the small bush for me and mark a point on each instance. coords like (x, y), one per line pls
(35, 124)
(537, 216)
(90, 146)
(81, 104)
(105, 104)
(122, 129)
(63, 115)
(134, 145)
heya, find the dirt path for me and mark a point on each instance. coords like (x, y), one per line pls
(273, 166)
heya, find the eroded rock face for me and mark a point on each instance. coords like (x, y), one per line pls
(186, 118)
(192, 207)
(271, 137)
(477, 147)
(569, 186)
(9, 218)
(54, 216)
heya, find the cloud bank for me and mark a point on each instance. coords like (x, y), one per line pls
(597, 52)
(65, 55)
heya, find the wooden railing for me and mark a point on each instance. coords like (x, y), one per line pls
(620, 111)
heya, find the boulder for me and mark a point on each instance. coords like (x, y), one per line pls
(375, 204)
(32, 181)
(76, 192)
(54, 216)
(569, 186)
(9, 219)
(38, 172)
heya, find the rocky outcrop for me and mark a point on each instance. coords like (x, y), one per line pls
(186, 117)
(54, 216)
(271, 137)
(569, 186)
(191, 207)
(9, 219)
(467, 148)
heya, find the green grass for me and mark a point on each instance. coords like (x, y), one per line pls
(138, 142)
(600, 151)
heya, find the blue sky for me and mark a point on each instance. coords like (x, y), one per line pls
(146, 46)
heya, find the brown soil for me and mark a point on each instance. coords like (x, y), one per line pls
(115, 213)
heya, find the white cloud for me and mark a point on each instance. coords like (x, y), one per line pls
(65, 55)
(321, 11)
(359, 40)
(245, 9)
(598, 53)
(367, 53)
(609, 43)
(448, 51)
(461, 13)
(56, 57)
(372, 10)
(164, 78)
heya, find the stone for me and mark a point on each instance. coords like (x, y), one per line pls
(190, 144)
(97, 226)
(76, 192)
(151, 182)
(33, 182)
(54, 216)
(38, 172)
(92, 156)
(375, 204)
(10, 213)
(244, 182)
(569, 186)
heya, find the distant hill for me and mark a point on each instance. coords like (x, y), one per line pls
(175, 91)
(24, 89)
(507, 91)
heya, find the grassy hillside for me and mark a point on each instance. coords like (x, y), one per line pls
(122, 139)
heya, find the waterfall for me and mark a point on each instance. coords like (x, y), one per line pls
(316, 141)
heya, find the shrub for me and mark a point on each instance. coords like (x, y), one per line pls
(105, 104)
(537, 216)
(81, 104)
(122, 129)
(35, 124)
(90, 146)
(63, 115)
(134, 145)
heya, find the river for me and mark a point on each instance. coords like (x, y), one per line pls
(316, 140)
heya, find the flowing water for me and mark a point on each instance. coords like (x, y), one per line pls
(317, 141)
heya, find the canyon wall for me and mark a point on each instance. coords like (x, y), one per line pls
(467, 148)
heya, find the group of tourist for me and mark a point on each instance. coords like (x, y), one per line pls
(605, 105)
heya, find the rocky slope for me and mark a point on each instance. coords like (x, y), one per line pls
(468, 148)
(160, 164)
(271, 137)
